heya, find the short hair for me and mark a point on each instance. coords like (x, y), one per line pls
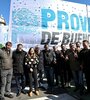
(86, 41)
(8, 43)
(46, 45)
(71, 44)
(78, 42)
(19, 45)
(62, 44)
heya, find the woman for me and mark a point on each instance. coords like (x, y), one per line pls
(31, 61)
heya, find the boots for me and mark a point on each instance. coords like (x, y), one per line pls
(37, 93)
(30, 94)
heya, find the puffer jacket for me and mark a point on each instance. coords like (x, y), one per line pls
(5, 59)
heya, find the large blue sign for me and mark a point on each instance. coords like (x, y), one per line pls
(41, 21)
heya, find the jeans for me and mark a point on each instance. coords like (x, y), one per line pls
(20, 81)
(49, 75)
(6, 77)
(78, 78)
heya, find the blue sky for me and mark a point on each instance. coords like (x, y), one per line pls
(5, 7)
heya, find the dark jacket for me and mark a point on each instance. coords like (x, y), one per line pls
(5, 59)
(49, 57)
(84, 58)
(73, 60)
(40, 64)
(18, 61)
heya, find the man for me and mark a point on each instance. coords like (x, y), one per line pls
(18, 65)
(75, 66)
(78, 46)
(56, 65)
(64, 67)
(84, 58)
(40, 66)
(49, 58)
(6, 70)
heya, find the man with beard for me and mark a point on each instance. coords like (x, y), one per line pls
(18, 65)
(6, 70)
(49, 59)
(84, 58)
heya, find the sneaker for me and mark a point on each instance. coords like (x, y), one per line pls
(30, 94)
(9, 95)
(2, 98)
(76, 89)
(37, 93)
(18, 93)
(23, 91)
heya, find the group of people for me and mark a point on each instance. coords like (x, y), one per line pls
(58, 66)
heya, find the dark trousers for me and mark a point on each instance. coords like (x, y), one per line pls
(78, 78)
(33, 75)
(87, 76)
(63, 77)
(26, 75)
(6, 77)
(49, 75)
(41, 76)
(56, 75)
(20, 81)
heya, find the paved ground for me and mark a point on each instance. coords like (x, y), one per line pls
(52, 97)
(57, 94)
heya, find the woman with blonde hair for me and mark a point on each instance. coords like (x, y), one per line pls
(31, 61)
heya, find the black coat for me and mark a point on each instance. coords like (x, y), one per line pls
(84, 58)
(49, 57)
(18, 61)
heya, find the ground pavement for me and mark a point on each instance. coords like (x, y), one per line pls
(57, 94)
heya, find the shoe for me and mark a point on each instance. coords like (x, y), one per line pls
(23, 91)
(37, 93)
(67, 85)
(2, 98)
(87, 92)
(81, 93)
(18, 94)
(30, 94)
(76, 89)
(9, 95)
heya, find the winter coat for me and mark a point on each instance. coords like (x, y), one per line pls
(74, 63)
(84, 58)
(49, 57)
(18, 61)
(5, 59)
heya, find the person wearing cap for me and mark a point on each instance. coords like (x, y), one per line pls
(6, 70)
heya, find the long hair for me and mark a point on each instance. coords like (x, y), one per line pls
(29, 52)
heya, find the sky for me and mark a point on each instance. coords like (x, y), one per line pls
(5, 7)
